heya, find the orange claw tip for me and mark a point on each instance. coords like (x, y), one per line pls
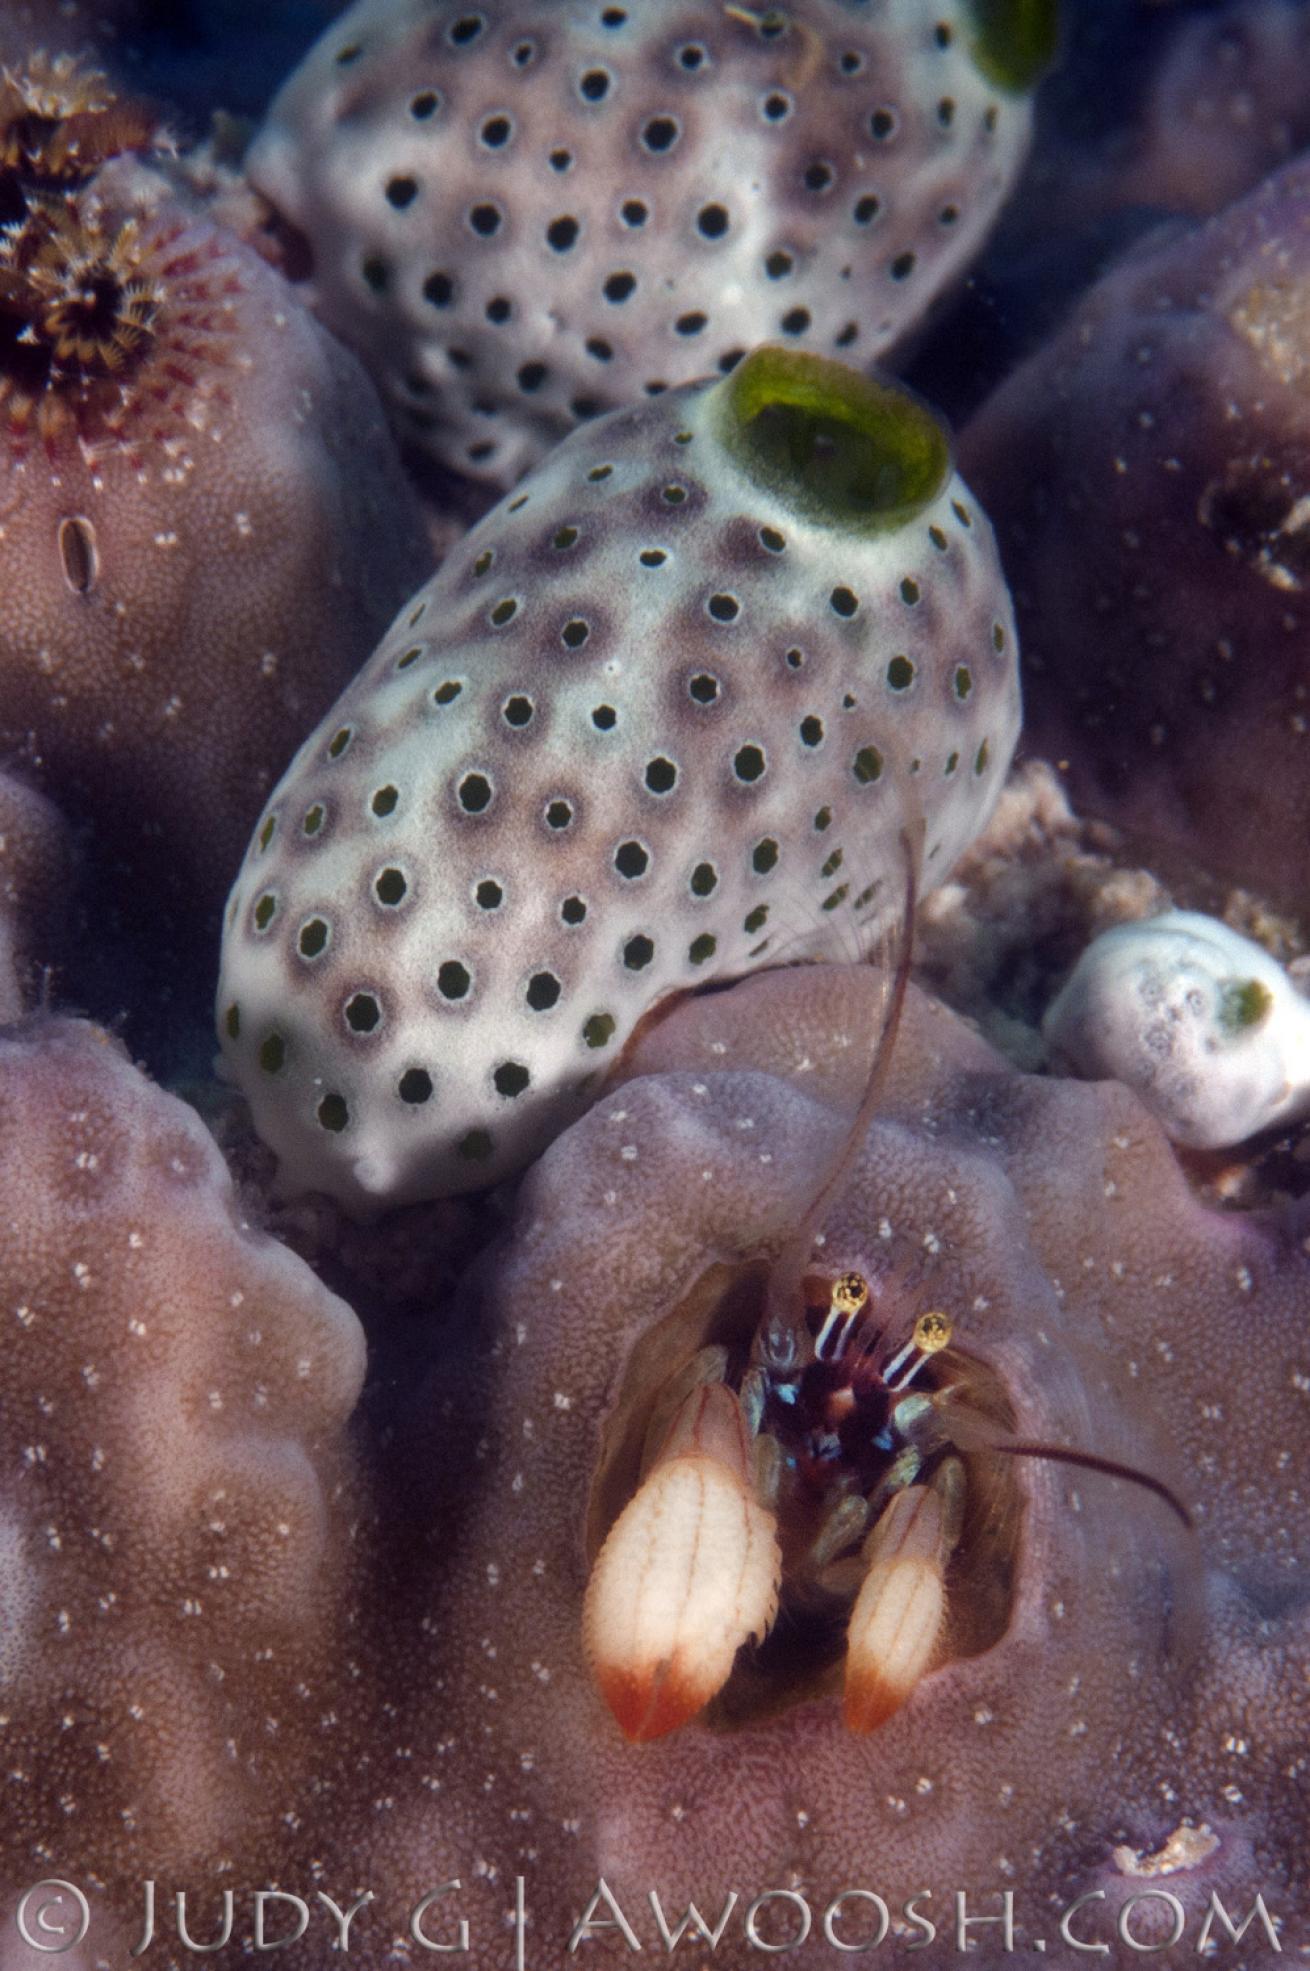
(689, 1572)
(898, 1613)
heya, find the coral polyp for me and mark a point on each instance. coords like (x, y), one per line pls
(60, 121)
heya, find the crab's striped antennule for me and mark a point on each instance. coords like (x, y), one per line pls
(657, 721)
(524, 213)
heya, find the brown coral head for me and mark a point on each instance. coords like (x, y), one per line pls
(110, 326)
(59, 122)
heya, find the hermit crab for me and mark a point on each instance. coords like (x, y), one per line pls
(826, 1470)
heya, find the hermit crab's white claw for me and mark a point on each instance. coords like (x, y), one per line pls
(689, 1572)
(1201, 1023)
(898, 1614)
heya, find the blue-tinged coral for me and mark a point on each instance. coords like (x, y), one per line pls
(1147, 474)
(662, 717)
(520, 215)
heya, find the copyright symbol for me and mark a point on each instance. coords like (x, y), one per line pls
(46, 1916)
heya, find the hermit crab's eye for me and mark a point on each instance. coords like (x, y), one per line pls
(850, 1294)
(932, 1331)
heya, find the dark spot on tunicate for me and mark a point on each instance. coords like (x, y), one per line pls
(485, 219)
(474, 792)
(674, 495)
(453, 979)
(900, 673)
(909, 592)
(598, 347)
(902, 267)
(882, 124)
(776, 107)
(475, 1146)
(517, 711)
(439, 289)
(724, 608)
(631, 860)
(963, 681)
(562, 233)
(504, 611)
(778, 265)
(390, 887)
(691, 56)
(523, 53)
(844, 601)
(661, 775)
(598, 1030)
(531, 376)
(952, 763)
(938, 539)
(401, 192)
(831, 902)
(818, 176)
(339, 742)
(447, 692)
(794, 658)
(415, 1086)
(866, 209)
(573, 910)
(313, 937)
(350, 53)
(771, 539)
(266, 833)
(941, 34)
(466, 29)
(660, 134)
(575, 633)
(561, 160)
(823, 821)
(604, 718)
(811, 731)
(961, 513)
(851, 62)
(652, 557)
(543, 990)
(998, 637)
(867, 896)
(613, 17)
(833, 864)
(376, 274)
(510, 1078)
(795, 321)
(764, 856)
(844, 337)
(489, 894)
(384, 800)
(704, 879)
(595, 85)
(704, 688)
(867, 765)
(946, 112)
(333, 1113)
(273, 1054)
(564, 537)
(313, 820)
(691, 324)
(362, 1012)
(991, 116)
(712, 221)
(983, 756)
(585, 407)
(756, 919)
(408, 657)
(655, 387)
(77, 553)
(702, 948)
(424, 105)
(232, 1021)
(559, 814)
(599, 472)
(496, 132)
(638, 952)
(619, 286)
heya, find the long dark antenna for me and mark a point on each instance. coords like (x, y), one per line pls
(785, 1278)
(1091, 1461)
